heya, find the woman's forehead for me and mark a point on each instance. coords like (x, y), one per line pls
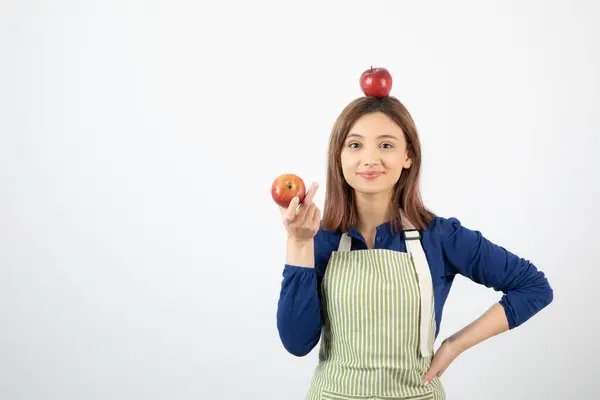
(375, 125)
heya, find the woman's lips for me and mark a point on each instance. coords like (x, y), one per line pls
(371, 175)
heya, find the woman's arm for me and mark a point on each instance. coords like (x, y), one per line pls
(491, 323)
(525, 289)
(299, 307)
(300, 253)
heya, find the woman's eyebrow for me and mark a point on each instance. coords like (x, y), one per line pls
(378, 137)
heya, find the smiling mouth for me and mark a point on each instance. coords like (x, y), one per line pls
(371, 175)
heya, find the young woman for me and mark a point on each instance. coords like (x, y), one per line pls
(371, 278)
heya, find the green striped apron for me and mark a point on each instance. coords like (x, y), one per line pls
(379, 325)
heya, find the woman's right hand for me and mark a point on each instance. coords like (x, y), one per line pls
(302, 224)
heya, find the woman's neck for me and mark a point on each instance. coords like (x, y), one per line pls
(372, 210)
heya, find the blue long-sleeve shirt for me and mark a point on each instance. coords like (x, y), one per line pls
(450, 249)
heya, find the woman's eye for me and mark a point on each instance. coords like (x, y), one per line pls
(389, 146)
(353, 145)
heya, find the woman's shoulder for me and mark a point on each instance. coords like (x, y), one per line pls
(443, 227)
(452, 235)
(440, 223)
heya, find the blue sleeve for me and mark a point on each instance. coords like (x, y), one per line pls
(299, 308)
(525, 289)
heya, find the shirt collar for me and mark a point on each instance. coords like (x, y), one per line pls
(383, 229)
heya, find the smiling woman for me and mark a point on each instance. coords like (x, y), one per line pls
(371, 278)
(374, 135)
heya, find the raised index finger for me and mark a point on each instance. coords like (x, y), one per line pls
(310, 195)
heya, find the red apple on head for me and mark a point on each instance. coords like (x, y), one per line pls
(287, 186)
(376, 82)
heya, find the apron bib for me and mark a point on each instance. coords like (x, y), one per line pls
(378, 325)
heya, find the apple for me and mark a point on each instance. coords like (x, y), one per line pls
(287, 186)
(376, 82)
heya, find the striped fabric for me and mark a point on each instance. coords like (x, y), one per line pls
(370, 340)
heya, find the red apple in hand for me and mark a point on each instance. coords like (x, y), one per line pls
(287, 186)
(376, 82)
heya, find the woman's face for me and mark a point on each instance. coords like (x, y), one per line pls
(374, 154)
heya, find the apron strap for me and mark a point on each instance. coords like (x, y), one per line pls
(345, 242)
(412, 237)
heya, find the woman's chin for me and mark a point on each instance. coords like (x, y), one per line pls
(371, 190)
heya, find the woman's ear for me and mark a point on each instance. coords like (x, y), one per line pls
(407, 162)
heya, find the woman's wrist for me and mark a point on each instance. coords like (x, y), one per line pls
(300, 252)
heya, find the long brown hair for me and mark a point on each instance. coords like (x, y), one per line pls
(340, 211)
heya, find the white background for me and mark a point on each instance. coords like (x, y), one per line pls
(140, 251)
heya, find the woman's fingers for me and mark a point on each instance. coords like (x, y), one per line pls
(305, 215)
(317, 217)
(310, 195)
(308, 215)
(290, 212)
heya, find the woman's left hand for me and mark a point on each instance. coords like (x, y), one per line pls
(447, 353)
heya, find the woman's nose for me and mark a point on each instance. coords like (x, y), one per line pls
(369, 162)
(371, 158)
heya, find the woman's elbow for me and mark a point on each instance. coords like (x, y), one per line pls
(540, 291)
(525, 301)
(546, 293)
(298, 343)
(299, 349)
